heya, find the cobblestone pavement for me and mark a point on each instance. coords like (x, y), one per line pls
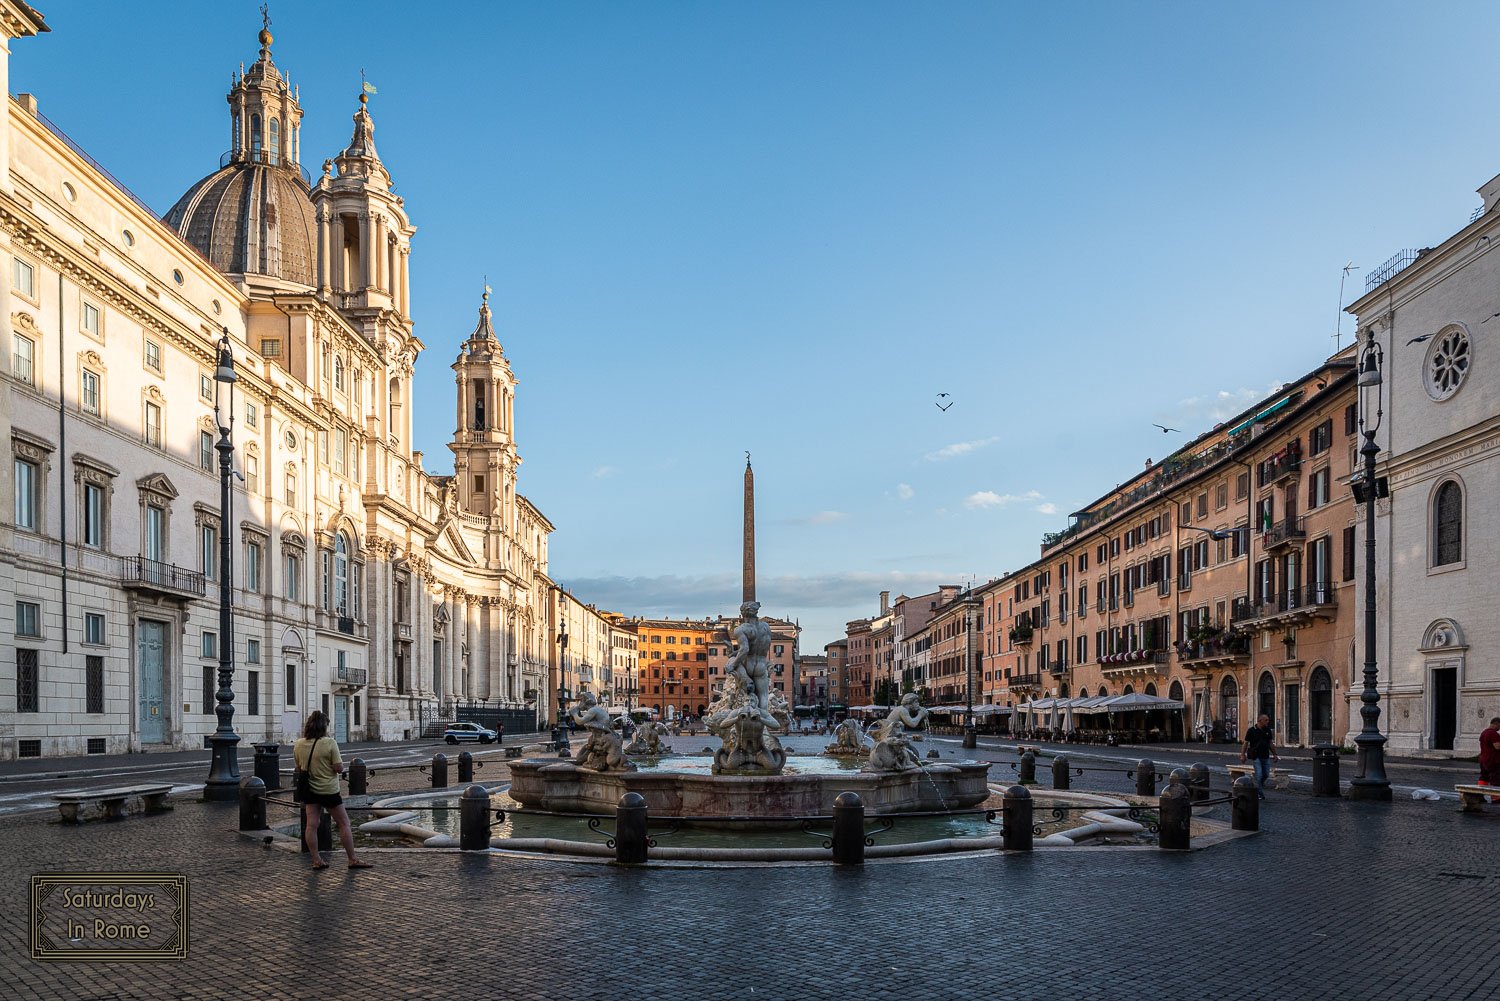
(1334, 900)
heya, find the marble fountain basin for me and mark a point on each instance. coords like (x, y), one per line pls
(683, 786)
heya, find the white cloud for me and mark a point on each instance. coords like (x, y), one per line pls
(958, 448)
(1047, 508)
(604, 471)
(904, 491)
(988, 498)
(1221, 405)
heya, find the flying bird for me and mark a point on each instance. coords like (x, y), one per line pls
(942, 406)
(1419, 340)
(1165, 429)
(1487, 319)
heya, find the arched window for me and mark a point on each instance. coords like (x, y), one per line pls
(1129, 690)
(1083, 693)
(275, 143)
(1151, 688)
(1265, 691)
(1229, 706)
(341, 573)
(338, 373)
(1448, 525)
(234, 132)
(1320, 705)
(255, 134)
(393, 411)
(1175, 692)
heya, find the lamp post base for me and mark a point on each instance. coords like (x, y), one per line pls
(1371, 784)
(223, 783)
(970, 739)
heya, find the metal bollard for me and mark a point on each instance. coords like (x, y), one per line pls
(1145, 777)
(465, 767)
(474, 819)
(1017, 815)
(1175, 814)
(849, 829)
(1197, 780)
(359, 777)
(325, 831)
(440, 771)
(1060, 772)
(631, 838)
(1245, 804)
(268, 764)
(1028, 769)
(253, 804)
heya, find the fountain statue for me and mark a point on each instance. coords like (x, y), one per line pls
(893, 751)
(741, 715)
(848, 741)
(601, 751)
(648, 739)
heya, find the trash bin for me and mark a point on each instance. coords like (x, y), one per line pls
(268, 764)
(1325, 770)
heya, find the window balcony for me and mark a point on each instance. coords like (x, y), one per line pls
(1296, 606)
(1026, 681)
(354, 677)
(1283, 533)
(1021, 635)
(137, 573)
(403, 631)
(346, 625)
(1133, 662)
(1224, 649)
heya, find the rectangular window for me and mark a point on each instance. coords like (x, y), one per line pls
(1351, 418)
(1187, 513)
(358, 717)
(206, 387)
(153, 355)
(252, 651)
(156, 535)
(27, 488)
(252, 474)
(252, 415)
(291, 684)
(1320, 439)
(208, 563)
(327, 559)
(1221, 496)
(1349, 553)
(208, 644)
(92, 321)
(94, 682)
(291, 489)
(208, 689)
(340, 450)
(1242, 486)
(205, 451)
(323, 447)
(1317, 489)
(23, 278)
(28, 681)
(153, 425)
(1240, 541)
(23, 359)
(1203, 505)
(29, 619)
(291, 572)
(270, 347)
(92, 516)
(88, 393)
(93, 628)
(252, 693)
(252, 567)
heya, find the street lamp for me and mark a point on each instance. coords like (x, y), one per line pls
(1371, 783)
(224, 767)
(970, 739)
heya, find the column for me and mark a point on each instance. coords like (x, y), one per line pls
(322, 252)
(365, 280)
(405, 281)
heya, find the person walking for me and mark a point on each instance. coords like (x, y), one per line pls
(1260, 751)
(318, 755)
(1489, 755)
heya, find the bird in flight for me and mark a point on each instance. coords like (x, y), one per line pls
(1165, 429)
(1487, 319)
(1419, 340)
(942, 406)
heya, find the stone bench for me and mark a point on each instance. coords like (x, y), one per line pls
(1474, 796)
(513, 751)
(1281, 778)
(113, 804)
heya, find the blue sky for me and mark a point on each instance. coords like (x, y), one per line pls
(785, 227)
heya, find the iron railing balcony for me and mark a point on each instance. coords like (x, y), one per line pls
(355, 676)
(1307, 596)
(346, 625)
(142, 574)
(1278, 468)
(1026, 681)
(1284, 533)
(403, 631)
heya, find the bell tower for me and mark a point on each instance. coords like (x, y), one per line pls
(484, 448)
(265, 116)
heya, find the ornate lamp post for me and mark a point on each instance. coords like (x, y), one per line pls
(224, 767)
(1371, 783)
(970, 738)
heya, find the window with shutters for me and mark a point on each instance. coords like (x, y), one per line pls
(1242, 486)
(1349, 553)
(1320, 439)
(1317, 488)
(1351, 418)
(1447, 525)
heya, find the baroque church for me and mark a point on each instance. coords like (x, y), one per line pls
(363, 583)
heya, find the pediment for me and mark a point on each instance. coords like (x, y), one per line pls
(449, 541)
(157, 483)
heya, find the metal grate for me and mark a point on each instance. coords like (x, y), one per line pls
(96, 745)
(28, 748)
(27, 682)
(1390, 268)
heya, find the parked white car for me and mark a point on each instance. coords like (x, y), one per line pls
(459, 732)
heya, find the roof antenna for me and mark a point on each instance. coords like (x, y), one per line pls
(1338, 330)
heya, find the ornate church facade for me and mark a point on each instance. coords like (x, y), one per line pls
(364, 584)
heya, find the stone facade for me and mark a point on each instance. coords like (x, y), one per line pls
(363, 584)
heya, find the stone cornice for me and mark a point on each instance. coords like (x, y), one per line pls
(1448, 452)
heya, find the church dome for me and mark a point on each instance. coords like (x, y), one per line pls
(252, 218)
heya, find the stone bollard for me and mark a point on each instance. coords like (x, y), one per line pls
(1145, 777)
(1060, 772)
(465, 767)
(849, 829)
(1027, 774)
(1197, 780)
(631, 838)
(1017, 817)
(253, 804)
(268, 763)
(440, 771)
(1175, 814)
(359, 777)
(474, 819)
(1244, 804)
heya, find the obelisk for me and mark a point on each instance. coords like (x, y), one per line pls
(748, 561)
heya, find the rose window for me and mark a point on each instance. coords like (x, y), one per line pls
(1447, 364)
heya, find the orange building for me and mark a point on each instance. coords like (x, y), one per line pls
(681, 661)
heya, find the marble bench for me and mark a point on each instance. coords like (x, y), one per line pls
(1281, 778)
(1474, 796)
(514, 751)
(112, 803)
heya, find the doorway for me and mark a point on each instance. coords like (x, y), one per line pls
(1444, 707)
(1291, 713)
(151, 655)
(1320, 707)
(341, 718)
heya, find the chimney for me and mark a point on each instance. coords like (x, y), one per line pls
(885, 602)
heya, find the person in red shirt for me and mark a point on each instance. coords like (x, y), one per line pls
(1489, 754)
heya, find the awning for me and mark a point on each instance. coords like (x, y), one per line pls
(1136, 701)
(1272, 409)
(992, 710)
(1094, 704)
